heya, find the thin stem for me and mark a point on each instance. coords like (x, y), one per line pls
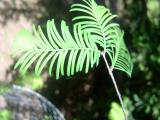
(115, 85)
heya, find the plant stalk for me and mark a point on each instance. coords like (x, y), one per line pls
(115, 85)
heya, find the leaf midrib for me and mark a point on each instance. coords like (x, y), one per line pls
(101, 27)
(66, 49)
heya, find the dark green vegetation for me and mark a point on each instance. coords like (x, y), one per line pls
(86, 97)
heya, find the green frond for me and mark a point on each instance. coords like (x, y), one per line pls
(69, 53)
(98, 21)
(73, 52)
(120, 57)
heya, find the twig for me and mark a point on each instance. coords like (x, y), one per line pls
(115, 85)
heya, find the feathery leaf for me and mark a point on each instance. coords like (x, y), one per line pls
(54, 49)
(69, 53)
(97, 20)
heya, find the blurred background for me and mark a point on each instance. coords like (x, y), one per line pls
(91, 96)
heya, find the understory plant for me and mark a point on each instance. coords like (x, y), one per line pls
(93, 35)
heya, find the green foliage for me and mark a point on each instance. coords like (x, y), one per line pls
(105, 33)
(115, 112)
(153, 11)
(61, 48)
(4, 89)
(69, 53)
(149, 102)
(47, 117)
(30, 80)
(144, 31)
(5, 115)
